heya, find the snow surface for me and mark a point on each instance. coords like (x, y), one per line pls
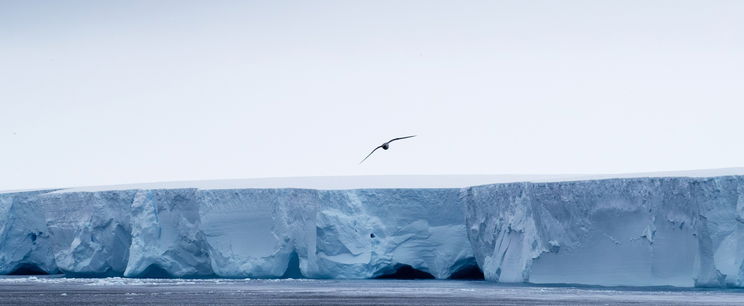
(389, 181)
(686, 230)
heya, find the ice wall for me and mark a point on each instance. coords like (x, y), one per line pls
(632, 231)
(234, 233)
(25, 241)
(645, 231)
(91, 232)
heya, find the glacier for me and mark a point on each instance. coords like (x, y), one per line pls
(627, 231)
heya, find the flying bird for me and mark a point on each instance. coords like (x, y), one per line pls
(385, 146)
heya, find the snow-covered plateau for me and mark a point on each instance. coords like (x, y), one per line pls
(683, 229)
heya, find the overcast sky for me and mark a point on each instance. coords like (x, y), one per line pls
(112, 92)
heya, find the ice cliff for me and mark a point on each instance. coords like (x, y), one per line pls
(234, 232)
(680, 231)
(645, 231)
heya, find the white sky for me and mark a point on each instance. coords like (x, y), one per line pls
(114, 92)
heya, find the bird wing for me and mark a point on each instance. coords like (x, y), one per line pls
(399, 138)
(370, 153)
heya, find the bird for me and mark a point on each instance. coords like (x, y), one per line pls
(385, 146)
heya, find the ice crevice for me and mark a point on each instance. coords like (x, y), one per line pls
(678, 231)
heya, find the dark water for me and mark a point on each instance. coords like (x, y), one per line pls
(117, 291)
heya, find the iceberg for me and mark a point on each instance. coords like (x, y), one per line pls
(643, 230)
(235, 233)
(639, 232)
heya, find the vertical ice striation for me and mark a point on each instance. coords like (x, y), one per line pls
(91, 231)
(253, 233)
(632, 231)
(335, 233)
(645, 231)
(234, 232)
(25, 242)
(166, 238)
(366, 233)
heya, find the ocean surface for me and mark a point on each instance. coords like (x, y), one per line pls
(117, 291)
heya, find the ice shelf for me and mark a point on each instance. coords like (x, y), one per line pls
(629, 231)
